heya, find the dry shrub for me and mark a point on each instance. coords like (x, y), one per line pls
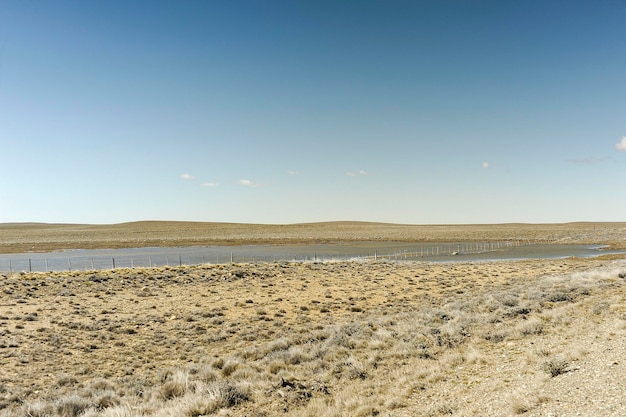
(71, 406)
(556, 366)
(279, 344)
(520, 405)
(101, 384)
(197, 405)
(176, 385)
(395, 403)
(66, 380)
(451, 360)
(366, 411)
(275, 367)
(533, 326)
(296, 355)
(452, 334)
(226, 394)
(474, 356)
(496, 336)
(206, 374)
(171, 389)
(218, 363)
(354, 369)
(106, 400)
(600, 307)
(510, 300)
(229, 367)
(38, 409)
(523, 403)
(443, 410)
(201, 403)
(517, 311)
(560, 296)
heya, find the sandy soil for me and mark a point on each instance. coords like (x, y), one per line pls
(345, 338)
(46, 237)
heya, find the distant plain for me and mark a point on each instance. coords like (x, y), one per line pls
(41, 237)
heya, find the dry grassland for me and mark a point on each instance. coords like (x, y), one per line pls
(46, 237)
(532, 338)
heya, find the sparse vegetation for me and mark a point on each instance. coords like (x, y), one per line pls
(17, 238)
(299, 339)
(556, 366)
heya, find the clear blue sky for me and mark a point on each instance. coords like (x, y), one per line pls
(268, 111)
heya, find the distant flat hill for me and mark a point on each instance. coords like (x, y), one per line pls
(22, 237)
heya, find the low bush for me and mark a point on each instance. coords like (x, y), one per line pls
(556, 366)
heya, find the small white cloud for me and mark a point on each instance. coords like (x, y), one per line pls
(354, 174)
(246, 183)
(621, 145)
(210, 184)
(292, 172)
(187, 177)
(485, 165)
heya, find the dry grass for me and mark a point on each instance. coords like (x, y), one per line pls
(46, 237)
(300, 339)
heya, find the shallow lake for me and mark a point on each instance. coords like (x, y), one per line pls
(431, 252)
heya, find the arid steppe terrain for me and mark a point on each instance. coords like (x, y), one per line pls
(531, 338)
(41, 237)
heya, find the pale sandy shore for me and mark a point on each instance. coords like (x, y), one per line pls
(532, 338)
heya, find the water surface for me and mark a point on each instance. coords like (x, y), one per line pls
(157, 256)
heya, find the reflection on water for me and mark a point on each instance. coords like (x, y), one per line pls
(147, 257)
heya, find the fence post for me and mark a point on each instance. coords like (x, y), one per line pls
(231, 257)
(113, 259)
(30, 265)
(180, 260)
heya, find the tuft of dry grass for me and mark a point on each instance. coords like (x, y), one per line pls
(555, 366)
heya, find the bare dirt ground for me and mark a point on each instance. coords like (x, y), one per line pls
(46, 237)
(530, 338)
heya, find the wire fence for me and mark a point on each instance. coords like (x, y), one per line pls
(42, 262)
